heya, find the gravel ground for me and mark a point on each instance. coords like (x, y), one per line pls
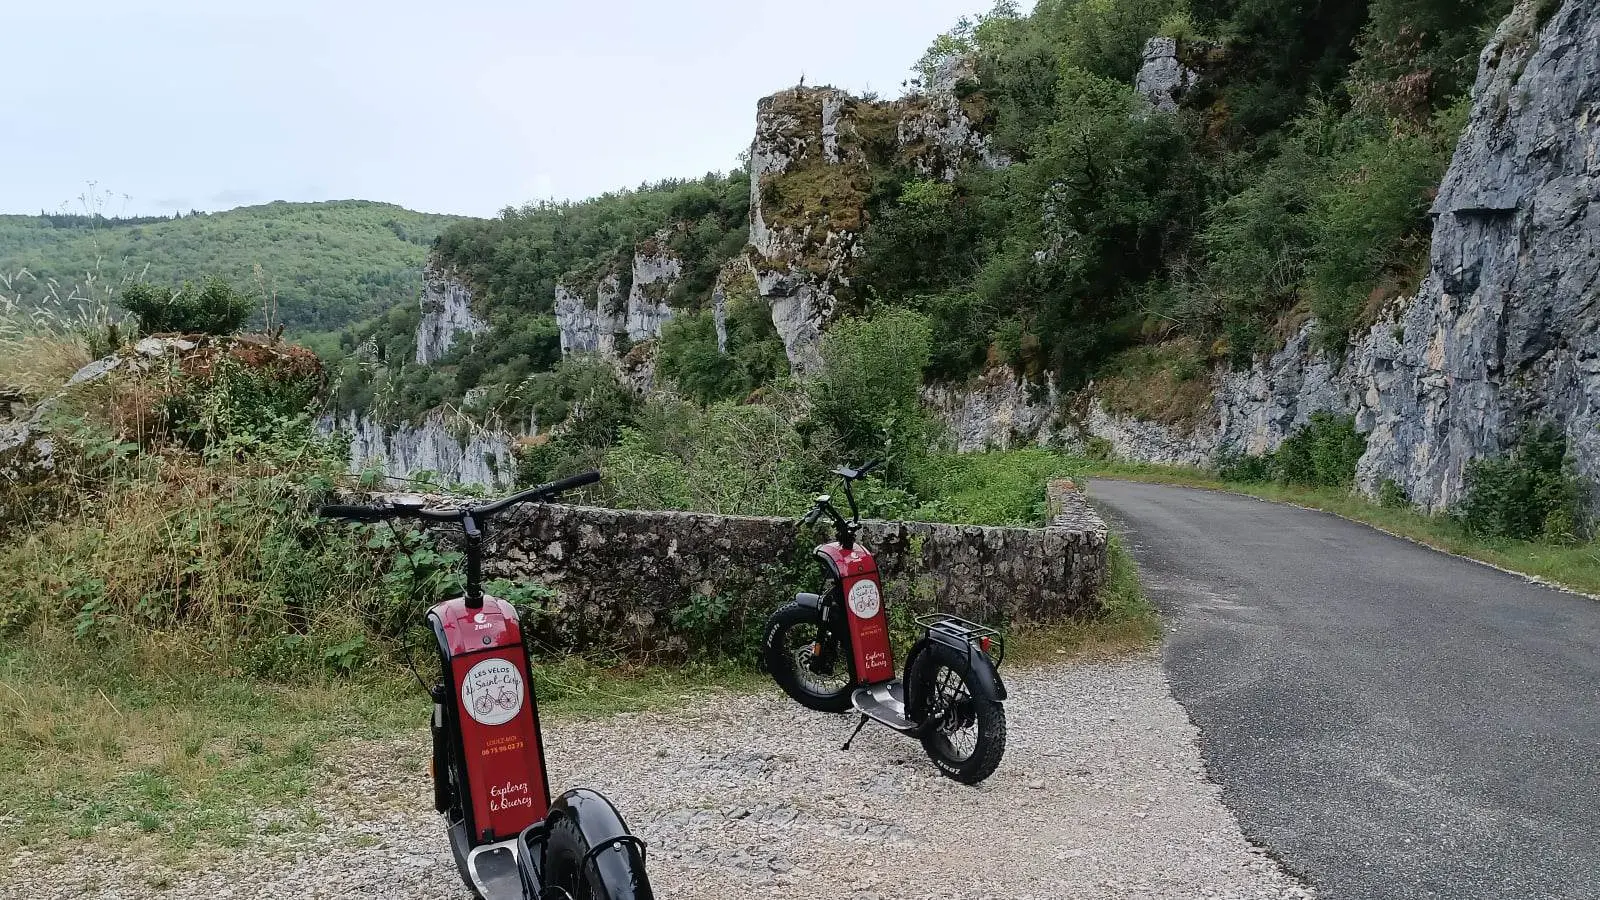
(1102, 794)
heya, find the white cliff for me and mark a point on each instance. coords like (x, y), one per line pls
(446, 313)
(451, 448)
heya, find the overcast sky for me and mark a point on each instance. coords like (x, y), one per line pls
(460, 106)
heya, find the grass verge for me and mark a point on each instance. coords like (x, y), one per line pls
(1130, 622)
(156, 750)
(1575, 566)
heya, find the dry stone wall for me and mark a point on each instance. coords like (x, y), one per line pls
(650, 583)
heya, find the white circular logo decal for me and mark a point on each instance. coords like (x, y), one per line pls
(864, 598)
(492, 692)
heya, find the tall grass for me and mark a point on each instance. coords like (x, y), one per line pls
(42, 344)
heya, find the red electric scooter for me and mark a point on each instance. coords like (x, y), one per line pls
(488, 766)
(831, 652)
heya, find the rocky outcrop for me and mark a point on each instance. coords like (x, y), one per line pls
(811, 169)
(1255, 409)
(446, 314)
(596, 319)
(451, 448)
(999, 410)
(808, 180)
(1504, 330)
(938, 134)
(1136, 439)
(591, 324)
(1163, 79)
(655, 270)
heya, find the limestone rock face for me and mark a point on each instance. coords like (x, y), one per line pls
(808, 179)
(999, 410)
(1260, 406)
(811, 169)
(453, 450)
(937, 132)
(1162, 78)
(655, 270)
(1504, 330)
(591, 325)
(446, 313)
(1136, 439)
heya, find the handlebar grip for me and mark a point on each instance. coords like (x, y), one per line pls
(570, 484)
(354, 513)
(862, 472)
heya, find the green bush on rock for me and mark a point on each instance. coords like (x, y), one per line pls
(1527, 494)
(211, 307)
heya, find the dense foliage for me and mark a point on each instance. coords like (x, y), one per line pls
(315, 266)
(1322, 453)
(1529, 493)
(211, 307)
(1294, 180)
(519, 257)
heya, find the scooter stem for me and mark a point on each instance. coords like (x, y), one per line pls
(474, 551)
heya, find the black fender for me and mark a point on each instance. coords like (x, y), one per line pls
(603, 830)
(985, 673)
(596, 817)
(611, 845)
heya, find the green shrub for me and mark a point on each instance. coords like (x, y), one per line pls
(211, 307)
(584, 407)
(1530, 492)
(1322, 453)
(1370, 218)
(754, 355)
(717, 627)
(1244, 468)
(998, 488)
(1392, 496)
(869, 392)
(724, 458)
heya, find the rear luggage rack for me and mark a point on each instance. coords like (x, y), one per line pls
(957, 632)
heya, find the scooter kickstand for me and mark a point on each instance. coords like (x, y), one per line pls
(859, 725)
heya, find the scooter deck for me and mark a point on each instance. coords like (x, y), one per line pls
(493, 868)
(885, 703)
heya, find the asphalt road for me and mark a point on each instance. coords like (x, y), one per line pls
(1388, 721)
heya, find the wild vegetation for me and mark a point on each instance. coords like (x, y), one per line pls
(1294, 180)
(309, 266)
(181, 639)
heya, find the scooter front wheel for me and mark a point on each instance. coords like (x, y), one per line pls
(806, 659)
(573, 871)
(965, 733)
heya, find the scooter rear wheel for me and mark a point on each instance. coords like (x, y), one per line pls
(615, 873)
(967, 736)
(817, 680)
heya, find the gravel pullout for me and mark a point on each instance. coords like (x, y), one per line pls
(1102, 794)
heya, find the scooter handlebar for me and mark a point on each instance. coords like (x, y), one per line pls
(354, 513)
(570, 484)
(542, 493)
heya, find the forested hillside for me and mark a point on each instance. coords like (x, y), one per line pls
(326, 264)
(1125, 198)
(514, 263)
(1293, 180)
